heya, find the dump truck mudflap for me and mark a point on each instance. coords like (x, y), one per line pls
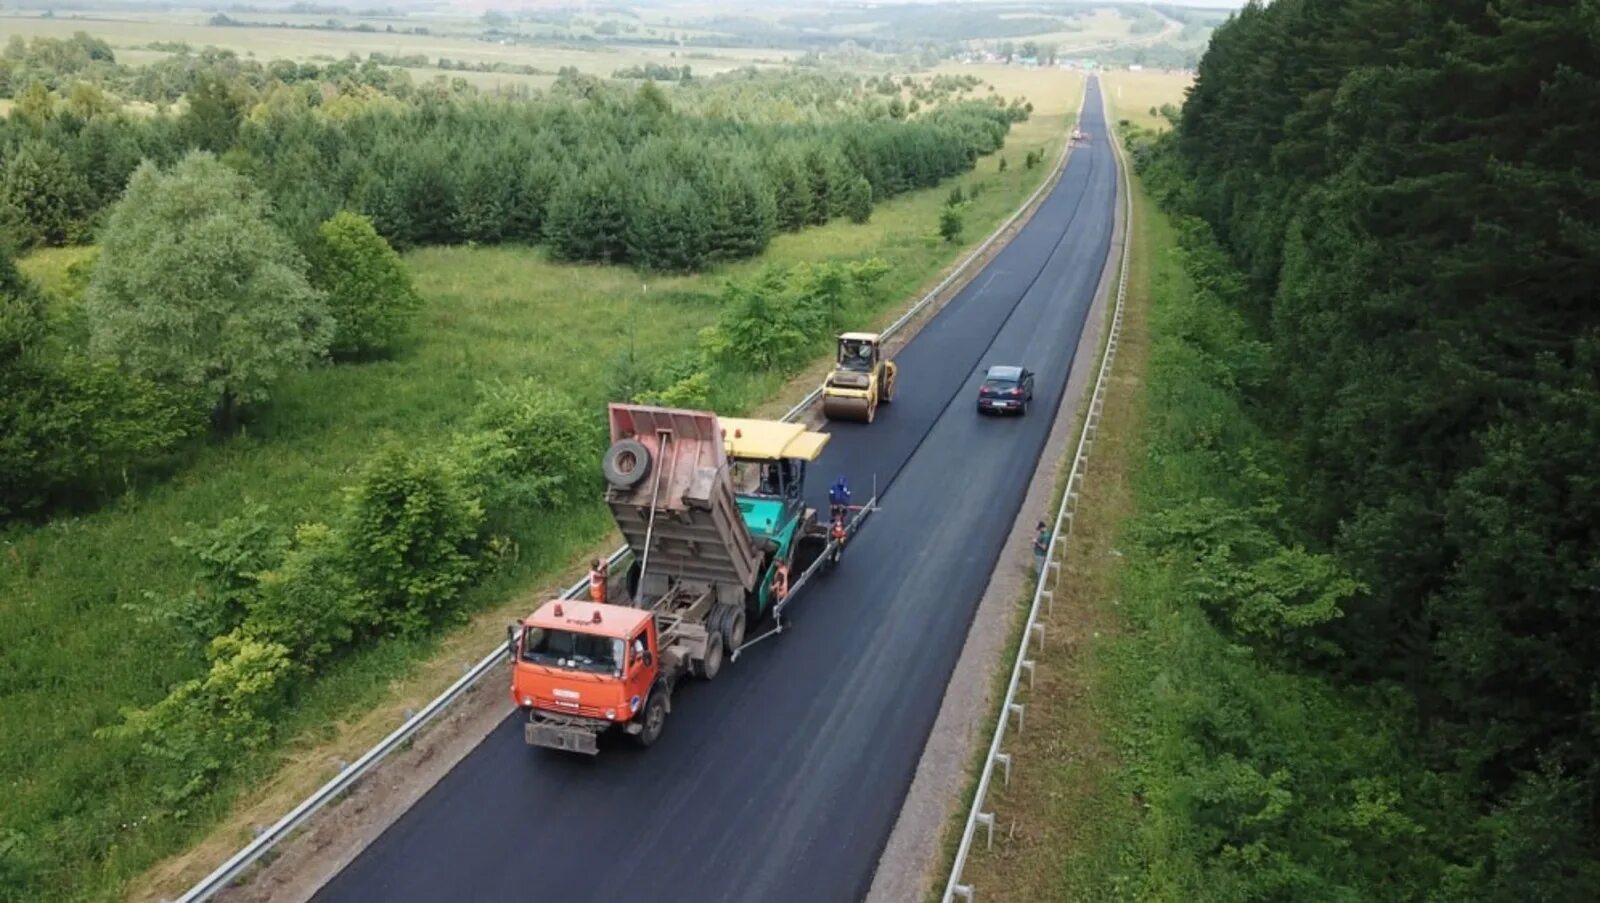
(565, 736)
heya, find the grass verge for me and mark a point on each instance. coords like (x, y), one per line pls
(81, 805)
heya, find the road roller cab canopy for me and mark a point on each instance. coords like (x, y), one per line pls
(858, 351)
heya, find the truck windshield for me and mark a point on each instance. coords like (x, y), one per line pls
(572, 650)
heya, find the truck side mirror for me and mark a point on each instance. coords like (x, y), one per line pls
(511, 641)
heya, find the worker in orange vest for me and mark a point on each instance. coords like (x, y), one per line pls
(780, 581)
(597, 580)
(840, 533)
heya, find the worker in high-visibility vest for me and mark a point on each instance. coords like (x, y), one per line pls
(839, 534)
(780, 581)
(597, 580)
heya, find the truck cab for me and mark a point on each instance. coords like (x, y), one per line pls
(579, 669)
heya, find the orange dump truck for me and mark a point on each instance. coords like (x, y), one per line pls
(714, 514)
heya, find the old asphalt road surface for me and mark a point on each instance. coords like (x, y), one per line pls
(781, 780)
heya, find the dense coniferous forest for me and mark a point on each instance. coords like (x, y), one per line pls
(599, 171)
(1408, 196)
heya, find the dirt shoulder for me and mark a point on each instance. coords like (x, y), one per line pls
(318, 851)
(912, 862)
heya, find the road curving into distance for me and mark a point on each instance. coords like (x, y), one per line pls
(781, 780)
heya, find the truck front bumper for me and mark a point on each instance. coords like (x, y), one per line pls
(565, 735)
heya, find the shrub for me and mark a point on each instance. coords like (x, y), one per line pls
(194, 735)
(758, 330)
(413, 527)
(692, 391)
(950, 224)
(66, 423)
(369, 290)
(308, 603)
(229, 559)
(540, 451)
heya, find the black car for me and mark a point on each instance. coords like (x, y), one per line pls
(1006, 389)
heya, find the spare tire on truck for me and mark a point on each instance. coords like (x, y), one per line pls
(626, 463)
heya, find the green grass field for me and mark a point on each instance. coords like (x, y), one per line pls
(492, 313)
(1133, 94)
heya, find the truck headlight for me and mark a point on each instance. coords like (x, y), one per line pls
(527, 701)
(611, 714)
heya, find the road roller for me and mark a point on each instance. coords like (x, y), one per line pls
(861, 379)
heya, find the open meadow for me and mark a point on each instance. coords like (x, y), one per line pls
(1139, 96)
(131, 37)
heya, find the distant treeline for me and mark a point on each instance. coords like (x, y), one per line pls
(597, 172)
(223, 20)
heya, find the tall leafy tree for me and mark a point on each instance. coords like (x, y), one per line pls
(195, 288)
(216, 106)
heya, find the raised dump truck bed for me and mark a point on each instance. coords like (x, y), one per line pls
(672, 497)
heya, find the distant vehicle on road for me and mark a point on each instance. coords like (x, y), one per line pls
(1006, 389)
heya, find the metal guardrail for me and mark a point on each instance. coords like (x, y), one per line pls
(347, 778)
(1050, 571)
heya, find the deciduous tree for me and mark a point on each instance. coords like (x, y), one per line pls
(194, 288)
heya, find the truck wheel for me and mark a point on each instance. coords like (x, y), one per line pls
(653, 719)
(626, 462)
(710, 666)
(729, 621)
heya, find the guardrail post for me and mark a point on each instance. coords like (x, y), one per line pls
(1037, 630)
(1027, 665)
(1005, 760)
(1050, 598)
(1019, 710)
(964, 891)
(987, 820)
